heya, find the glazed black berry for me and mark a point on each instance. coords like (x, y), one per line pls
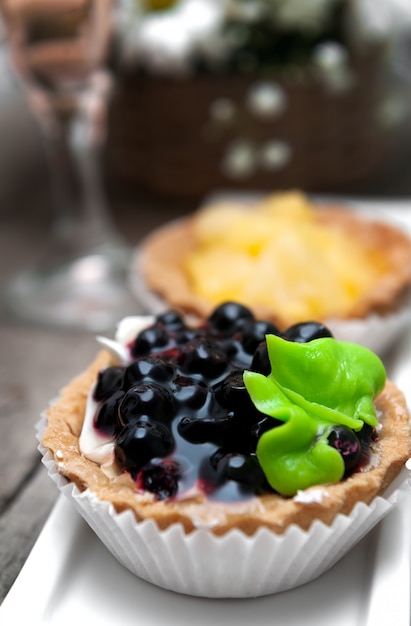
(226, 476)
(106, 418)
(140, 442)
(203, 358)
(146, 399)
(227, 430)
(245, 469)
(254, 332)
(108, 381)
(367, 436)
(205, 430)
(306, 331)
(232, 395)
(148, 368)
(150, 340)
(171, 320)
(186, 335)
(229, 317)
(190, 394)
(348, 445)
(212, 471)
(161, 480)
(260, 362)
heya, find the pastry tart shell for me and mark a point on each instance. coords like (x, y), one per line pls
(225, 550)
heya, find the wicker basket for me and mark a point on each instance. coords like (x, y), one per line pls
(163, 141)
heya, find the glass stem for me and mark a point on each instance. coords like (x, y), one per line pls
(74, 133)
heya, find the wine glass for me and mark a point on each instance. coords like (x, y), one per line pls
(58, 49)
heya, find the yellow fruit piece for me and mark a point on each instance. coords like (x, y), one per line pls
(277, 254)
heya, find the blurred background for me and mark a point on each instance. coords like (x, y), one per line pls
(261, 94)
(200, 95)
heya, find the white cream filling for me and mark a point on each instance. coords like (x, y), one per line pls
(129, 327)
(93, 444)
(96, 446)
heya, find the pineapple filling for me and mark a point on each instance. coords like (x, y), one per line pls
(278, 255)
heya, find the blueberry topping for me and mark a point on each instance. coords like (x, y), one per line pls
(150, 340)
(146, 399)
(227, 430)
(348, 445)
(206, 429)
(260, 362)
(189, 393)
(246, 470)
(149, 368)
(212, 471)
(229, 317)
(141, 441)
(306, 331)
(233, 475)
(187, 334)
(367, 436)
(161, 479)
(106, 418)
(254, 332)
(171, 320)
(204, 358)
(183, 397)
(108, 381)
(232, 394)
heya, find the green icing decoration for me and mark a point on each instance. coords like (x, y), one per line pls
(311, 388)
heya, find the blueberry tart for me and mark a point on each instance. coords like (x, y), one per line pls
(195, 446)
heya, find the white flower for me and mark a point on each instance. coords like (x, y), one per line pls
(166, 40)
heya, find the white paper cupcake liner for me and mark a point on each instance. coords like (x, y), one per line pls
(230, 566)
(376, 332)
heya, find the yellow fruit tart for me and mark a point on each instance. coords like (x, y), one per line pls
(286, 258)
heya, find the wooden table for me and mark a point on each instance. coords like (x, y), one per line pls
(35, 362)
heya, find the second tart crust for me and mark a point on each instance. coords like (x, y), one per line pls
(163, 253)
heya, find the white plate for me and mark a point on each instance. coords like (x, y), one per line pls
(70, 577)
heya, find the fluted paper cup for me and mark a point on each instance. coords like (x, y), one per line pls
(376, 332)
(234, 565)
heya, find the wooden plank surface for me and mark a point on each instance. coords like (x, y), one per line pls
(38, 364)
